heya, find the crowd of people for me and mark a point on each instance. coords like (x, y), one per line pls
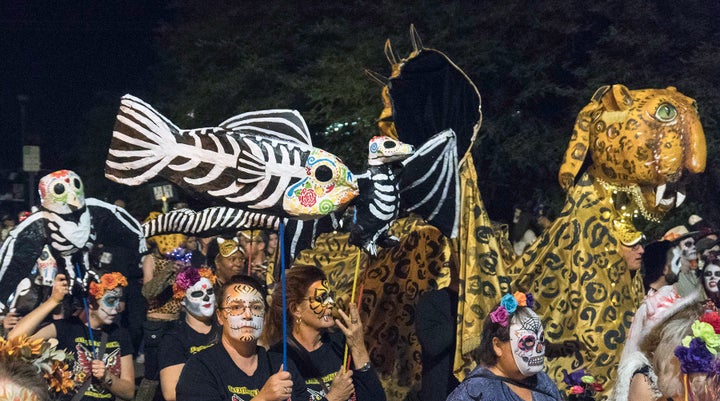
(201, 316)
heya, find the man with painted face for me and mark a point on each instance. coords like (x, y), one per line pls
(510, 357)
(236, 368)
(194, 287)
(102, 377)
(684, 241)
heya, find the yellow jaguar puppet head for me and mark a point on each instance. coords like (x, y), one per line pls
(640, 143)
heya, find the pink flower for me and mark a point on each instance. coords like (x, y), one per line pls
(577, 390)
(500, 315)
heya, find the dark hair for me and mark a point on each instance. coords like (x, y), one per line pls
(485, 354)
(298, 280)
(654, 260)
(240, 279)
(24, 375)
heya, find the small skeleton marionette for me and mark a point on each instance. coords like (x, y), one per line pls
(68, 225)
(399, 178)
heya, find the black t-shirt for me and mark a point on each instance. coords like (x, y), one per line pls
(181, 342)
(73, 336)
(324, 363)
(211, 375)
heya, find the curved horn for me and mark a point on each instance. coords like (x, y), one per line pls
(381, 79)
(389, 53)
(415, 38)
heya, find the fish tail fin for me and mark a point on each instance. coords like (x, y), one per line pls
(142, 144)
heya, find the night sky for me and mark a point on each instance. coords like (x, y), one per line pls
(66, 56)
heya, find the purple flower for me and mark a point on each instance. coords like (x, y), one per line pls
(574, 378)
(696, 358)
(715, 367)
(187, 278)
(530, 300)
(500, 316)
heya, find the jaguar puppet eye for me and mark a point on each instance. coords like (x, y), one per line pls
(666, 112)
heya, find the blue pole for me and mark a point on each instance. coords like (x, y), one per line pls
(281, 238)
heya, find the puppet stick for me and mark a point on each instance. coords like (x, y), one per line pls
(87, 314)
(281, 239)
(346, 363)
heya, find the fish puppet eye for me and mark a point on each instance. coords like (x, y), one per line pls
(59, 189)
(666, 112)
(389, 144)
(323, 174)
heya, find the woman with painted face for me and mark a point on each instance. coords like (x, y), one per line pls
(710, 275)
(314, 347)
(104, 354)
(510, 357)
(236, 367)
(194, 288)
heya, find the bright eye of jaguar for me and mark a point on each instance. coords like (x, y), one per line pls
(666, 112)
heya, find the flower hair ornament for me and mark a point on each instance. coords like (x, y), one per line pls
(49, 362)
(189, 277)
(179, 254)
(108, 281)
(508, 305)
(699, 351)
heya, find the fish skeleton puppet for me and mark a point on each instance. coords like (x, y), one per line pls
(262, 161)
(70, 225)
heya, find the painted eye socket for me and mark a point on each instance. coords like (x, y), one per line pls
(59, 189)
(323, 174)
(76, 183)
(196, 294)
(527, 343)
(389, 144)
(666, 112)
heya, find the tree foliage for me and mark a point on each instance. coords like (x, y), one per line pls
(536, 64)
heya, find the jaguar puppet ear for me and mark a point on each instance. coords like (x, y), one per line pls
(615, 98)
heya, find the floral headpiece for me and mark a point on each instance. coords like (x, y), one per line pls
(108, 281)
(189, 277)
(509, 304)
(43, 355)
(581, 385)
(697, 351)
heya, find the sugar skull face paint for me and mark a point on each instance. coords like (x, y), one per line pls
(687, 247)
(108, 305)
(200, 299)
(527, 341)
(711, 278)
(244, 313)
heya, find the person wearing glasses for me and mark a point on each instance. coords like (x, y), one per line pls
(317, 349)
(236, 368)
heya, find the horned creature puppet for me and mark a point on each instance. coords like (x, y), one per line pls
(70, 225)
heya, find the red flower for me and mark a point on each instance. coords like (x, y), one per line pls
(713, 319)
(307, 197)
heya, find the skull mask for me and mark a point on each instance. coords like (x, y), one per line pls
(527, 341)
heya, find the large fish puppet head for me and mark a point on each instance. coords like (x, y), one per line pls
(62, 192)
(326, 186)
(638, 143)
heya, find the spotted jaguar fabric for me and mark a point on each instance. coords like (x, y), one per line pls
(627, 158)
